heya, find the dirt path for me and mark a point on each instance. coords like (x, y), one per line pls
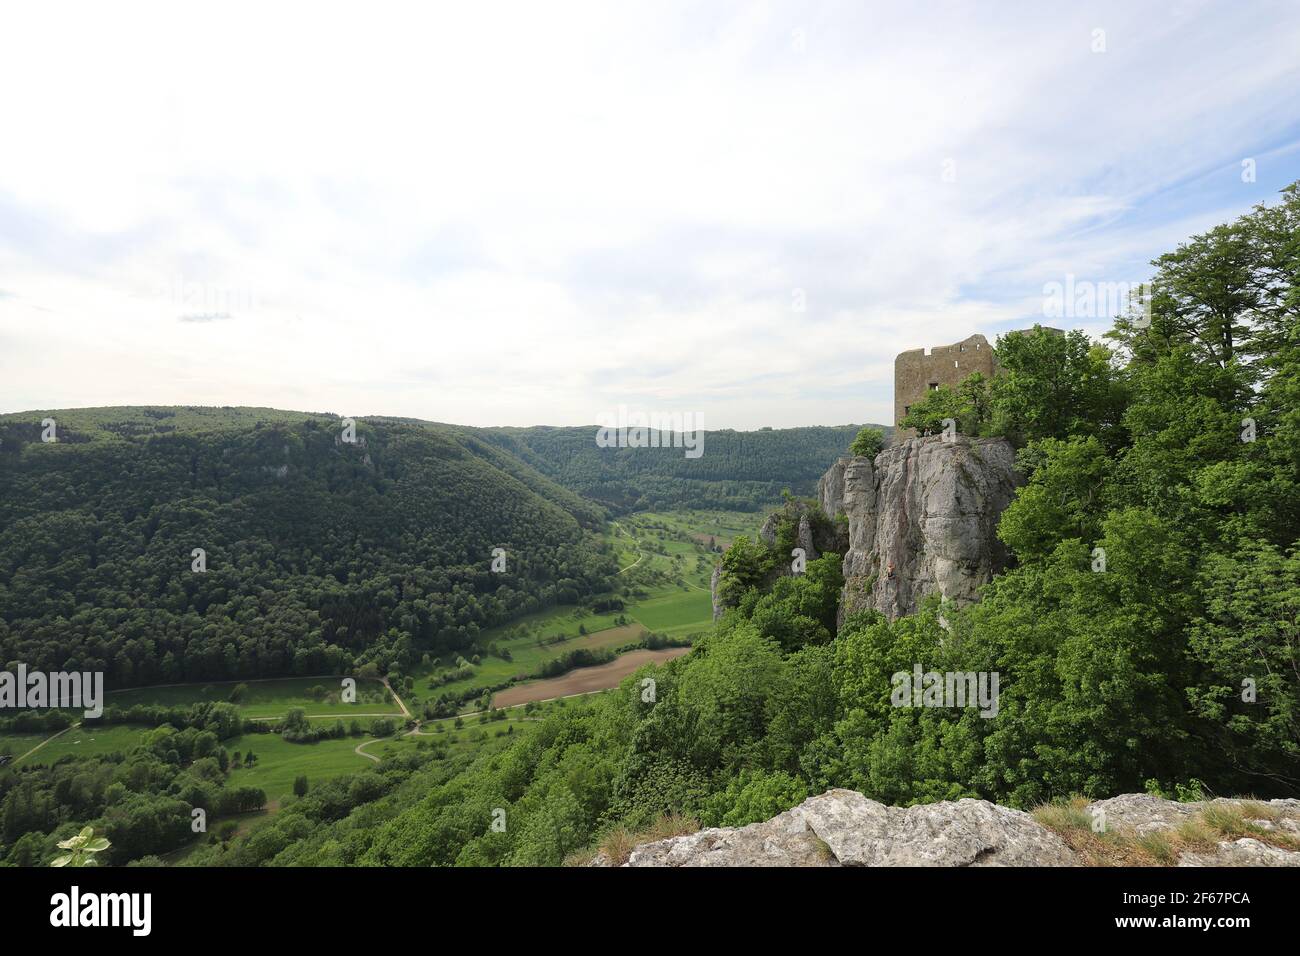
(640, 553)
(400, 703)
(584, 680)
(46, 741)
(366, 743)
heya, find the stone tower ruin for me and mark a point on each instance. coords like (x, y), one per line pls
(919, 371)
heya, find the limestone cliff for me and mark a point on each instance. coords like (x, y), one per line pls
(714, 581)
(830, 488)
(844, 828)
(922, 519)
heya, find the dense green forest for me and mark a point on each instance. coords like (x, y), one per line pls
(739, 471)
(321, 555)
(145, 801)
(1171, 666)
(1147, 634)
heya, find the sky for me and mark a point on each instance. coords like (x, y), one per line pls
(521, 214)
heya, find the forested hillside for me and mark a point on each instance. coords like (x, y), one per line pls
(1146, 638)
(740, 471)
(1144, 635)
(321, 554)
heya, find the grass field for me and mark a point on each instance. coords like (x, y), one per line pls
(677, 612)
(268, 698)
(666, 560)
(470, 736)
(14, 745)
(78, 741)
(666, 564)
(667, 586)
(279, 762)
(527, 655)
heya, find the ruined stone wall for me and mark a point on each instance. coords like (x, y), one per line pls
(918, 371)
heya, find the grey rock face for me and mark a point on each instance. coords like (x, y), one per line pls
(785, 840)
(1243, 852)
(1144, 814)
(844, 828)
(861, 832)
(922, 520)
(713, 590)
(803, 538)
(830, 488)
(813, 541)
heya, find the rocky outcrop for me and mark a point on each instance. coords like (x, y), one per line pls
(1243, 852)
(811, 533)
(713, 590)
(922, 519)
(1144, 815)
(803, 535)
(785, 840)
(803, 538)
(830, 488)
(844, 828)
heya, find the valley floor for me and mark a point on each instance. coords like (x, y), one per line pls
(665, 561)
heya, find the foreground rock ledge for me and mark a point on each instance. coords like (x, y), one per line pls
(844, 828)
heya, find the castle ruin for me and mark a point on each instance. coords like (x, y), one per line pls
(919, 371)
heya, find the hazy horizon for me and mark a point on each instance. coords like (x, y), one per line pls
(510, 216)
(362, 416)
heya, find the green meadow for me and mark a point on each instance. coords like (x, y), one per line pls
(667, 584)
(76, 741)
(280, 762)
(530, 644)
(267, 698)
(678, 613)
(667, 559)
(473, 733)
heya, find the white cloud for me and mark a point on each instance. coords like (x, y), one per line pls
(522, 213)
